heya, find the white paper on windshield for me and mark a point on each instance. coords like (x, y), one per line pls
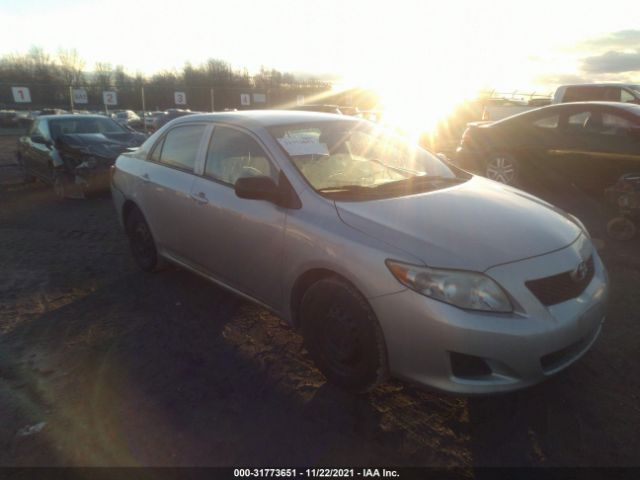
(301, 145)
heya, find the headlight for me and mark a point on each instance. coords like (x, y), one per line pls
(469, 290)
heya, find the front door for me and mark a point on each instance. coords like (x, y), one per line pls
(237, 240)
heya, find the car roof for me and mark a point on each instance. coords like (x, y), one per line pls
(611, 84)
(69, 116)
(629, 107)
(265, 118)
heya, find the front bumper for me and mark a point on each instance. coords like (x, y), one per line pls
(522, 348)
(93, 180)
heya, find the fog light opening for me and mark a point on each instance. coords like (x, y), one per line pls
(468, 366)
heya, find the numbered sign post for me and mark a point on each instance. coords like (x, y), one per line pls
(109, 98)
(80, 96)
(245, 99)
(180, 98)
(300, 100)
(21, 94)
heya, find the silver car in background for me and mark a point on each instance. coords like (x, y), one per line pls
(387, 259)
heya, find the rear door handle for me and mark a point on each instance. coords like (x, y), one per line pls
(200, 197)
(145, 177)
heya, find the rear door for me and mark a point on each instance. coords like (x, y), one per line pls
(573, 156)
(165, 182)
(237, 240)
(536, 136)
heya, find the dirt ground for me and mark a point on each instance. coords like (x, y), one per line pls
(101, 364)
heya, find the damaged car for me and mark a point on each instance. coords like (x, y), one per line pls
(74, 153)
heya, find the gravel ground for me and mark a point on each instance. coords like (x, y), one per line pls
(101, 364)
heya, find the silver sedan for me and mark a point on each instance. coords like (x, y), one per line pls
(389, 260)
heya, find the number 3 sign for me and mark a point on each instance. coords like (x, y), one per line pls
(180, 98)
(21, 94)
(110, 98)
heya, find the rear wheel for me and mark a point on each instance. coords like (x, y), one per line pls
(143, 246)
(502, 168)
(343, 336)
(621, 228)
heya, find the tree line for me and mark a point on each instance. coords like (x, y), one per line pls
(49, 78)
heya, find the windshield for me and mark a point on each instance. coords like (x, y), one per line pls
(83, 125)
(346, 158)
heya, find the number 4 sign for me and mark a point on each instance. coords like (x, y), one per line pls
(180, 98)
(110, 98)
(21, 94)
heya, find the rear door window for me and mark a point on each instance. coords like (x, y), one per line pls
(181, 146)
(579, 121)
(548, 122)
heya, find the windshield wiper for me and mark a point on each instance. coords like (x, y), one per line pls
(345, 189)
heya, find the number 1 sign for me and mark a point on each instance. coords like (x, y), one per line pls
(21, 94)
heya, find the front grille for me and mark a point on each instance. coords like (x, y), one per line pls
(562, 287)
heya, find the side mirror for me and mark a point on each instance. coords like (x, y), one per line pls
(258, 188)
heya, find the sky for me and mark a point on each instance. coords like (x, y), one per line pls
(406, 49)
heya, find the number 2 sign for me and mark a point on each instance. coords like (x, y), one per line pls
(21, 94)
(110, 98)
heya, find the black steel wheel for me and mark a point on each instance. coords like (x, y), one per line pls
(343, 336)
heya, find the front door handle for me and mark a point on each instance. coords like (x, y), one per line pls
(145, 178)
(200, 197)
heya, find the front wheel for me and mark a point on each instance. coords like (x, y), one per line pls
(24, 171)
(502, 168)
(343, 336)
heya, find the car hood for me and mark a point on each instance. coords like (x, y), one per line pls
(108, 145)
(471, 226)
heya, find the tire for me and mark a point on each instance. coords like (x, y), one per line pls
(502, 168)
(143, 246)
(621, 228)
(342, 335)
(26, 176)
